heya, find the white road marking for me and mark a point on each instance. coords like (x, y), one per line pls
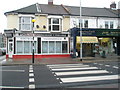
(64, 69)
(11, 87)
(31, 80)
(30, 71)
(100, 64)
(32, 86)
(64, 65)
(31, 75)
(95, 63)
(81, 72)
(13, 70)
(115, 67)
(92, 78)
(107, 65)
(68, 66)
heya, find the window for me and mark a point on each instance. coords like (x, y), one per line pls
(26, 47)
(45, 47)
(58, 47)
(109, 24)
(86, 23)
(19, 47)
(106, 25)
(25, 23)
(55, 24)
(54, 47)
(83, 23)
(51, 47)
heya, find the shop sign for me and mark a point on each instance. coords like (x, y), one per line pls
(108, 33)
(26, 38)
(54, 39)
(87, 33)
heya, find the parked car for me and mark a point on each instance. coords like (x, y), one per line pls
(3, 50)
(0, 52)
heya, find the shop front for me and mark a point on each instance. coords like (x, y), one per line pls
(89, 41)
(96, 41)
(45, 46)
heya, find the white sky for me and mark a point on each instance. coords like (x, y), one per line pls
(9, 5)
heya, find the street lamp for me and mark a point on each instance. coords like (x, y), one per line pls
(80, 32)
(33, 47)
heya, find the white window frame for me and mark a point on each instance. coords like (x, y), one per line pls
(20, 20)
(109, 22)
(60, 23)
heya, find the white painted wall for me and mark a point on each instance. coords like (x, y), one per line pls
(93, 22)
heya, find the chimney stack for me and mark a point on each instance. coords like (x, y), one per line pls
(113, 5)
(50, 2)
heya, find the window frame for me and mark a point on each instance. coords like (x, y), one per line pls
(22, 24)
(51, 24)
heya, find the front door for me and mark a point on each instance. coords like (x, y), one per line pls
(10, 48)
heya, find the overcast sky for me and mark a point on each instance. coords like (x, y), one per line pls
(9, 5)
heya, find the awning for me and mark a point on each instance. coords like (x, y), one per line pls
(87, 39)
(105, 39)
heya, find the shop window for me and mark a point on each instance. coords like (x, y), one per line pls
(26, 47)
(19, 47)
(64, 47)
(58, 47)
(51, 47)
(55, 24)
(45, 47)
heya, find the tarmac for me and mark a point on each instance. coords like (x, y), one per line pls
(61, 60)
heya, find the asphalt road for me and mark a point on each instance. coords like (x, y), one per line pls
(86, 75)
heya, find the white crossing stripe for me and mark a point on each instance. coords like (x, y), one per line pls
(31, 75)
(32, 86)
(13, 87)
(31, 80)
(81, 72)
(115, 67)
(13, 70)
(68, 66)
(30, 71)
(92, 78)
(64, 65)
(64, 69)
(107, 65)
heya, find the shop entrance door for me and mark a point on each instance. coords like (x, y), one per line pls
(10, 48)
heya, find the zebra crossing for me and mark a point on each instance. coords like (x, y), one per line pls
(80, 73)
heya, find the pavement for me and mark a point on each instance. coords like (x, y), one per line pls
(67, 60)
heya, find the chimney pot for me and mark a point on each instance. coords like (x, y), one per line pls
(113, 5)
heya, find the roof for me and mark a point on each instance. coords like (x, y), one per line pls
(65, 10)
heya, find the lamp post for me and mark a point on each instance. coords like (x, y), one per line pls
(33, 47)
(80, 32)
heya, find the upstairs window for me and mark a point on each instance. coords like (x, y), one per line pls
(55, 24)
(25, 23)
(109, 24)
(83, 23)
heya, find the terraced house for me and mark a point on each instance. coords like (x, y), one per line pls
(51, 29)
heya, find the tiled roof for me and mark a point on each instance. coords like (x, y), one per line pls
(65, 10)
